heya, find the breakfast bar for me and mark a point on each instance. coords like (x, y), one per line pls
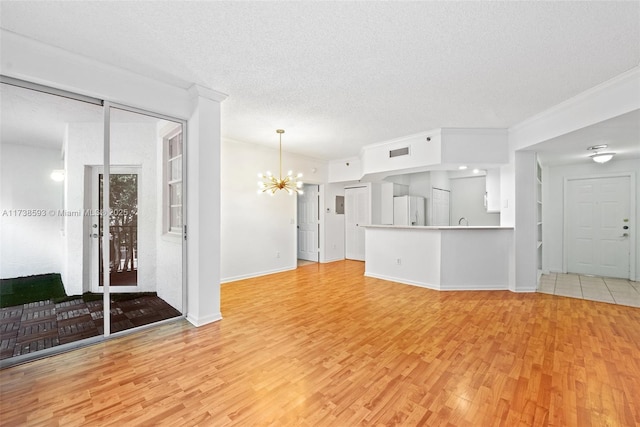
(441, 257)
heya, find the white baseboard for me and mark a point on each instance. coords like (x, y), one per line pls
(523, 290)
(403, 281)
(205, 320)
(255, 274)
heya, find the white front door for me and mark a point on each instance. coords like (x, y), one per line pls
(356, 214)
(597, 212)
(124, 196)
(308, 223)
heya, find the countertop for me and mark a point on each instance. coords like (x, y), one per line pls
(441, 227)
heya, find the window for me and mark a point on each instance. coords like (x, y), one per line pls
(173, 181)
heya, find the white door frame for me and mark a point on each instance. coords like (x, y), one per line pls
(94, 270)
(632, 217)
(348, 214)
(316, 228)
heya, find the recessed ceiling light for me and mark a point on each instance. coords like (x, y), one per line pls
(462, 167)
(476, 171)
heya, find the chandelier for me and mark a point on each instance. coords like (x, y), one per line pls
(270, 184)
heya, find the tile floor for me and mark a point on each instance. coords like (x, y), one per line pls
(302, 262)
(604, 289)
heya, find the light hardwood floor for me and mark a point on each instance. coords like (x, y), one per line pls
(324, 346)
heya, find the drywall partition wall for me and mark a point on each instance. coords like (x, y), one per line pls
(474, 146)
(344, 170)
(420, 184)
(526, 271)
(553, 180)
(507, 193)
(424, 150)
(203, 207)
(440, 179)
(411, 256)
(31, 241)
(258, 231)
(333, 247)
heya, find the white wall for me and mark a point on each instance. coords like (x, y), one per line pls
(168, 246)
(440, 179)
(467, 200)
(553, 205)
(258, 231)
(333, 225)
(132, 144)
(345, 170)
(420, 184)
(29, 244)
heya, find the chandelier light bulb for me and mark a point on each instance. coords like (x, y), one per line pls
(270, 184)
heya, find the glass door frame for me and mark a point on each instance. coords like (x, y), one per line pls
(107, 106)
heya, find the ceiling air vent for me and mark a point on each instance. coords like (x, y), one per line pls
(399, 152)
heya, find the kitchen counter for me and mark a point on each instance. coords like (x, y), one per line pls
(443, 227)
(441, 257)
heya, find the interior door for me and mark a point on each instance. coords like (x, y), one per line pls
(596, 216)
(123, 228)
(356, 214)
(308, 223)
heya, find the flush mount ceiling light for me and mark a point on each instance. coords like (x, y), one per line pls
(600, 157)
(462, 167)
(270, 184)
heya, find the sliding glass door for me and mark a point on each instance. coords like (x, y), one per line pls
(91, 212)
(140, 260)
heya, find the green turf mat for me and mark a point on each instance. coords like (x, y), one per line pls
(24, 290)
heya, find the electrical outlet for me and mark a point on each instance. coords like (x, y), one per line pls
(398, 261)
(277, 254)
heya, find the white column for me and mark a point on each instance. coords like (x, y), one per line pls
(203, 207)
(526, 270)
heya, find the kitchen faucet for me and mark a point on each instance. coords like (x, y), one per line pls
(465, 221)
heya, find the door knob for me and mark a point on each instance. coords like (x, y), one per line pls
(625, 235)
(626, 227)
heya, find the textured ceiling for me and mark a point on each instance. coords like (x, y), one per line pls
(340, 75)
